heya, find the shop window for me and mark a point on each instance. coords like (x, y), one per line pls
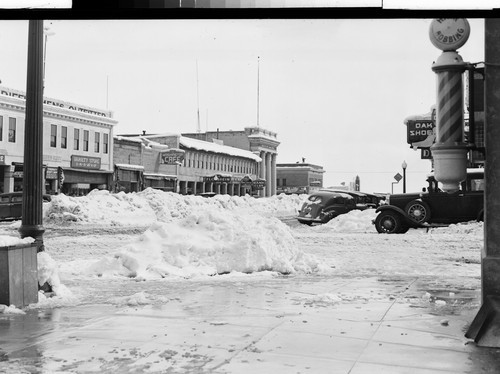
(105, 143)
(12, 130)
(86, 140)
(97, 142)
(64, 137)
(76, 146)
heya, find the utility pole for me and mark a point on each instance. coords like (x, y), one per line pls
(33, 139)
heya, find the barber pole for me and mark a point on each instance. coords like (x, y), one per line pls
(449, 152)
(449, 110)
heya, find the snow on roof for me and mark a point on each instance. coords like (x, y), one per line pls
(217, 148)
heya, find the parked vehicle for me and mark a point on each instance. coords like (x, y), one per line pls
(11, 204)
(324, 205)
(433, 206)
(362, 200)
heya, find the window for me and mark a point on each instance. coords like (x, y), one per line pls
(1, 128)
(12, 130)
(77, 140)
(53, 136)
(64, 137)
(97, 142)
(105, 141)
(86, 140)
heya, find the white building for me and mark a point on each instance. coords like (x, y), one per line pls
(77, 145)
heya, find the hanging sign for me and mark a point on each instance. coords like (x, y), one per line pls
(171, 157)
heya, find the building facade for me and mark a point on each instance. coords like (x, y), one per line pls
(261, 142)
(176, 163)
(77, 145)
(299, 177)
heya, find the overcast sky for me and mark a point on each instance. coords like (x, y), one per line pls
(336, 91)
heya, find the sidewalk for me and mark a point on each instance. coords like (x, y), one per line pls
(282, 325)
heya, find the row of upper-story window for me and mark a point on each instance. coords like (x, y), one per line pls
(81, 138)
(219, 163)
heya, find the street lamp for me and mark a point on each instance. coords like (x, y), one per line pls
(46, 33)
(404, 165)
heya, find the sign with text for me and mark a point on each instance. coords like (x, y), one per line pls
(171, 157)
(84, 162)
(425, 154)
(258, 184)
(217, 179)
(2, 159)
(51, 173)
(57, 103)
(421, 131)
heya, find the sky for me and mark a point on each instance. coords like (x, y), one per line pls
(336, 91)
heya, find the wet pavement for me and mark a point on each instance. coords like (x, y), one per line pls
(298, 324)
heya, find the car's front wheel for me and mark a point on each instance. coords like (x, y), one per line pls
(388, 222)
(418, 211)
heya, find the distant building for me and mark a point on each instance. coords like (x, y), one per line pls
(177, 163)
(299, 177)
(257, 140)
(77, 145)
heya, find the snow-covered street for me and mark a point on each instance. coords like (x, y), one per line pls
(241, 278)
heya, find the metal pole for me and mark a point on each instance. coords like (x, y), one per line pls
(404, 180)
(33, 139)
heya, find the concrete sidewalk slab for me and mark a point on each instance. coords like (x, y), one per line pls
(294, 325)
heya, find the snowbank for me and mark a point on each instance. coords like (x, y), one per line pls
(151, 205)
(207, 242)
(353, 221)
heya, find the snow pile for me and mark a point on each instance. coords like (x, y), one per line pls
(153, 205)
(100, 207)
(7, 240)
(353, 221)
(473, 228)
(209, 242)
(4, 309)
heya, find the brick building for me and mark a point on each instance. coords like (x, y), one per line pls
(299, 177)
(186, 165)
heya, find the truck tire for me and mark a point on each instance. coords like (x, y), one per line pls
(389, 222)
(418, 211)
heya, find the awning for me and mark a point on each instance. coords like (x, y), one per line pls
(130, 167)
(160, 176)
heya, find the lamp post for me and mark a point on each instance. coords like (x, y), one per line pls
(46, 34)
(404, 165)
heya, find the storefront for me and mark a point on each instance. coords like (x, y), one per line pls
(83, 176)
(161, 182)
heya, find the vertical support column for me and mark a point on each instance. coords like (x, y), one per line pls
(262, 171)
(33, 139)
(269, 178)
(491, 249)
(273, 174)
(485, 327)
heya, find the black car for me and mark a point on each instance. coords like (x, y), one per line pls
(324, 205)
(11, 204)
(433, 206)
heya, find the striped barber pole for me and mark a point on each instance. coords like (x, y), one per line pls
(449, 114)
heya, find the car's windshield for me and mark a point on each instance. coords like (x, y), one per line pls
(315, 199)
